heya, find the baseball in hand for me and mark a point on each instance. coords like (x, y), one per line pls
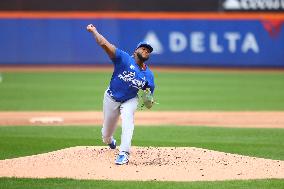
(91, 28)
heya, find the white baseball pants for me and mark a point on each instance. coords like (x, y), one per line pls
(112, 110)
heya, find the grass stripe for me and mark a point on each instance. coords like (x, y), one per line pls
(267, 143)
(12, 183)
(174, 91)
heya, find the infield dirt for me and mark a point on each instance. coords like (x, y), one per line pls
(164, 164)
(150, 118)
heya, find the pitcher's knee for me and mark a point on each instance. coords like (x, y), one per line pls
(127, 119)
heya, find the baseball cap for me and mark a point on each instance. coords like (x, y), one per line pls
(145, 44)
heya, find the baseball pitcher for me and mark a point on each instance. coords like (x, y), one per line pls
(130, 75)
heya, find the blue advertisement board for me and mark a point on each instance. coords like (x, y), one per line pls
(200, 42)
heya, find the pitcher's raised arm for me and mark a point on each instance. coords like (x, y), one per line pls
(102, 41)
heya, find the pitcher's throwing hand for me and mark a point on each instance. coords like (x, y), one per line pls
(91, 28)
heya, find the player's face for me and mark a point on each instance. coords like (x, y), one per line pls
(143, 53)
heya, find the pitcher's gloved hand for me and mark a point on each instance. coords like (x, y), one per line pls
(148, 99)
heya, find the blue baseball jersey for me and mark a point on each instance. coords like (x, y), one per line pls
(128, 78)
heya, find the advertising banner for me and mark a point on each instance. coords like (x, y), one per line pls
(194, 42)
(253, 5)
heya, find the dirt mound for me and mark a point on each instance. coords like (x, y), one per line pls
(166, 164)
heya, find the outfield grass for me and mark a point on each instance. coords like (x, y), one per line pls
(267, 143)
(84, 184)
(174, 91)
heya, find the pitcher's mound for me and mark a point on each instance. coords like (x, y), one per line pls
(167, 164)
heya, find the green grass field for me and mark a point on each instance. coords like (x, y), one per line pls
(84, 184)
(174, 91)
(257, 91)
(267, 143)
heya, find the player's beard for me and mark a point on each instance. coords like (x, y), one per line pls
(141, 58)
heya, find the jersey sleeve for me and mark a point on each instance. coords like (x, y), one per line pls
(150, 83)
(119, 56)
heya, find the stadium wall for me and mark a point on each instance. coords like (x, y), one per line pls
(178, 39)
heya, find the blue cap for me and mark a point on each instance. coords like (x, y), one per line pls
(145, 44)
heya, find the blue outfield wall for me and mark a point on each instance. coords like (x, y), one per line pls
(243, 43)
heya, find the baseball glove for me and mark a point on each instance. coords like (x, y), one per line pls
(148, 99)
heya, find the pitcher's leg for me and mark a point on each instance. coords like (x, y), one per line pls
(127, 111)
(111, 115)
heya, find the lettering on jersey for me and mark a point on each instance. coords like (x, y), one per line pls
(132, 67)
(128, 76)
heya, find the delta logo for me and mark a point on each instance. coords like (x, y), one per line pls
(203, 42)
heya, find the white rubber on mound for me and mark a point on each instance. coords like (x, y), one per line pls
(46, 120)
